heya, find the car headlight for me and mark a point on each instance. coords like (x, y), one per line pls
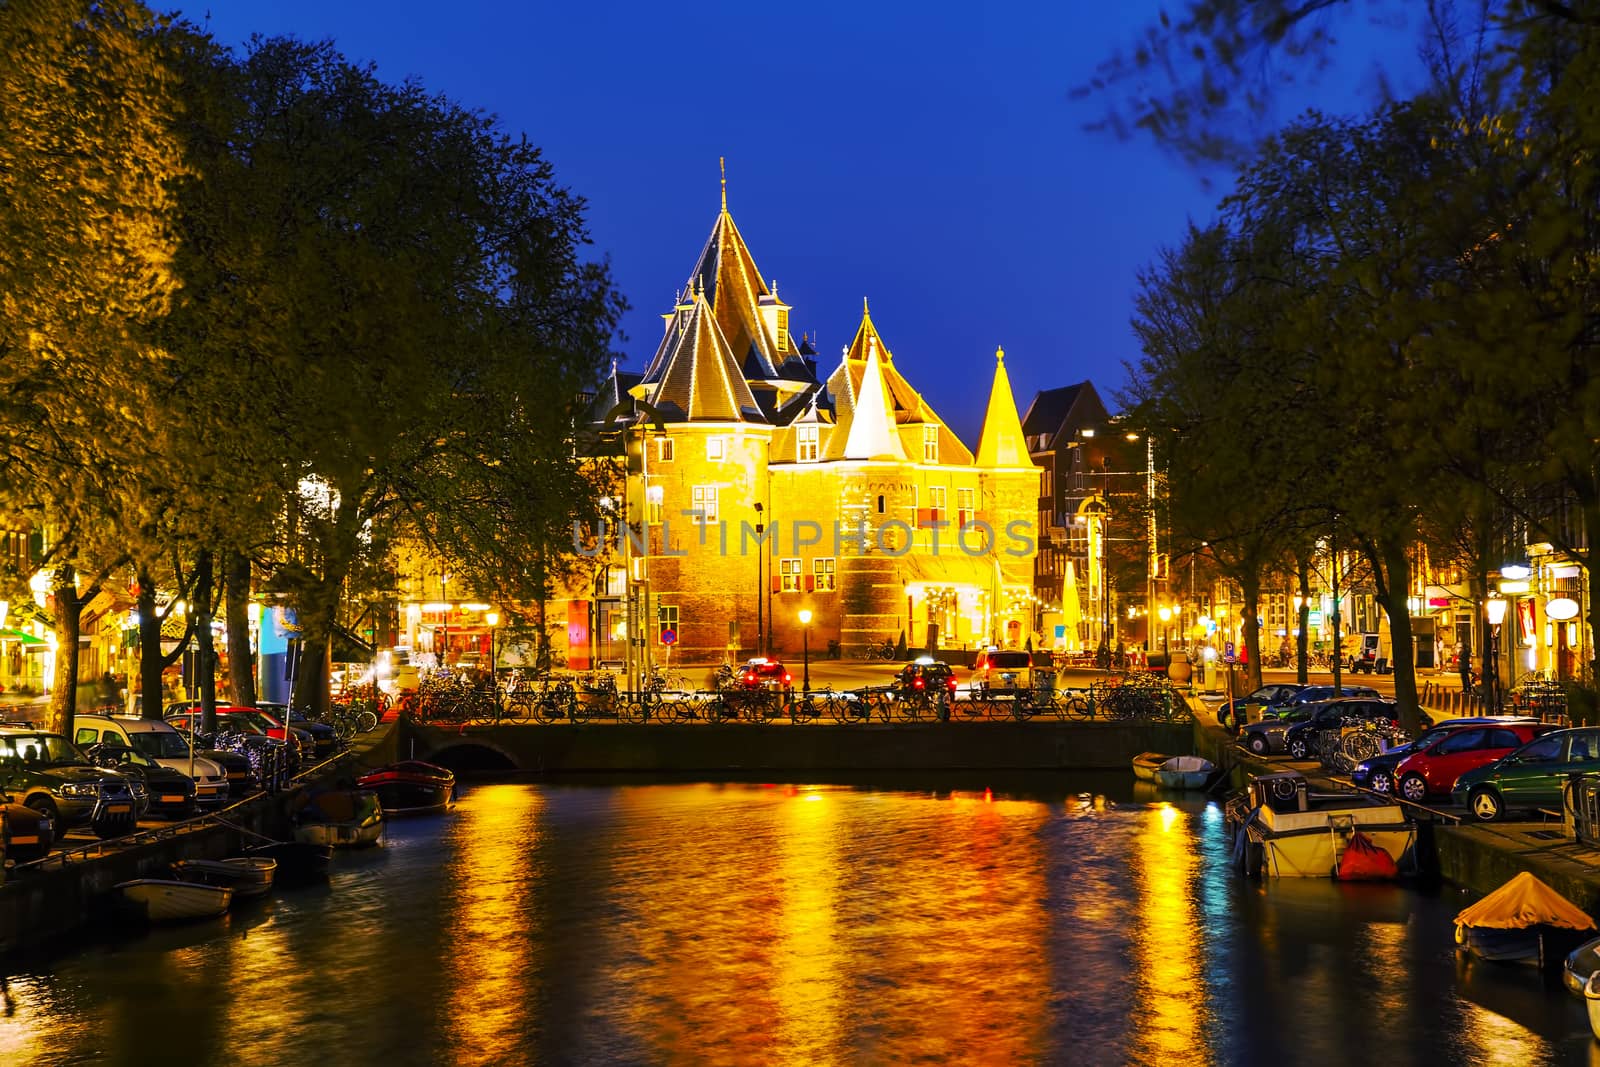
(80, 789)
(1364, 768)
(139, 788)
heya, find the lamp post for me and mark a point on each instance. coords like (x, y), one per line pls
(444, 611)
(759, 581)
(493, 619)
(1166, 617)
(805, 650)
(1495, 609)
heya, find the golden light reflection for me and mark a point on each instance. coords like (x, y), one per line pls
(489, 968)
(1167, 943)
(810, 985)
(1496, 1040)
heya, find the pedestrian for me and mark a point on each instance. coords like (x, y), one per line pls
(109, 696)
(1464, 665)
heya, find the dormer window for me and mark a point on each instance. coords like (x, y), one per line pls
(783, 329)
(930, 443)
(806, 444)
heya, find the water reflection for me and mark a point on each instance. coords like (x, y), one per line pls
(692, 923)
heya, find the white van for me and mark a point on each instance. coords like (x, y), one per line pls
(159, 742)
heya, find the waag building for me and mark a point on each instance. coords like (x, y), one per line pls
(764, 487)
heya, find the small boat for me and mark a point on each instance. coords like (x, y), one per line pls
(411, 787)
(297, 862)
(343, 818)
(247, 876)
(1146, 764)
(1283, 830)
(1591, 1000)
(1524, 921)
(162, 900)
(1185, 772)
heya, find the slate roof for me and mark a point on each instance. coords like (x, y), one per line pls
(726, 272)
(694, 377)
(1049, 409)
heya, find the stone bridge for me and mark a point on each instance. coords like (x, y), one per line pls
(628, 748)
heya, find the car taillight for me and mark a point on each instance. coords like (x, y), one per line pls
(950, 683)
(916, 683)
(749, 677)
(786, 677)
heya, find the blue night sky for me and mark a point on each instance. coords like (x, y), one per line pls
(926, 156)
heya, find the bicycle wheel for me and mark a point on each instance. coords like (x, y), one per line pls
(1076, 707)
(366, 721)
(634, 710)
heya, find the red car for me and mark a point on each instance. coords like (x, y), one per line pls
(764, 673)
(1434, 770)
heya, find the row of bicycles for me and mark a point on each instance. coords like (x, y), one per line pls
(1341, 749)
(583, 699)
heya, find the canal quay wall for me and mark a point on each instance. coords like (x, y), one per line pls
(597, 748)
(52, 899)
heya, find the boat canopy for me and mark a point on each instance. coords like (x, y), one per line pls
(1523, 902)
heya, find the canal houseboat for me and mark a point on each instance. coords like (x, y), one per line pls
(1284, 830)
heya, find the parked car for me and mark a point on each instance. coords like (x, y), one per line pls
(1377, 773)
(1234, 713)
(1002, 670)
(51, 775)
(1266, 737)
(166, 792)
(925, 677)
(29, 832)
(1433, 770)
(764, 672)
(161, 742)
(1365, 658)
(1316, 694)
(325, 740)
(1533, 776)
(1300, 740)
(238, 734)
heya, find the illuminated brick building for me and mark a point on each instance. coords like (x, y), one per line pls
(847, 471)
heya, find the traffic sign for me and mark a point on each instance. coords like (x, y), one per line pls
(669, 637)
(1227, 652)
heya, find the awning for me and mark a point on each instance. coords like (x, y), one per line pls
(949, 569)
(18, 635)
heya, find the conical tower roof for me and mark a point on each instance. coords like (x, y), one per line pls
(726, 272)
(694, 377)
(1001, 443)
(872, 426)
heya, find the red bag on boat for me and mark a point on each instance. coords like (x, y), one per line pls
(1362, 860)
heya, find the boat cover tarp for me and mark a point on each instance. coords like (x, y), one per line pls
(1186, 764)
(1522, 902)
(1363, 861)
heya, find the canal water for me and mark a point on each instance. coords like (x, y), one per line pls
(772, 924)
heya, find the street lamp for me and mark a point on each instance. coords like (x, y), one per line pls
(493, 619)
(805, 650)
(760, 592)
(1166, 617)
(1495, 609)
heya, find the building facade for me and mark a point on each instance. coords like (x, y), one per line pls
(762, 483)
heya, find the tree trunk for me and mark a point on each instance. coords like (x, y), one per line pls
(241, 663)
(205, 660)
(151, 663)
(1250, 585)
(1394, 587)
(64, 688)
(311, 676)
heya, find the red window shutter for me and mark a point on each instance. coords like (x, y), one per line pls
(777, 584)
(924, 518)
(810, 582)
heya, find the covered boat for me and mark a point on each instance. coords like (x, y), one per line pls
(172, 901)
(1524, 921)
(1283, 830)
(1185, 772)
(1146, 764)
(343, 818)
(247, 876)
(411, 787)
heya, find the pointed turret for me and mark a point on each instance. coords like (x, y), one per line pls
(1002, 443)
(872, 428)
(694, 377)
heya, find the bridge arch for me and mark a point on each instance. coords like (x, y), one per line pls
(472, 754)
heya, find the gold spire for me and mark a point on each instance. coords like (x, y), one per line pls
(1001, 444)
(722, 165)
(864, 310)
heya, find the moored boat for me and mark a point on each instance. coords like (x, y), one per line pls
(297, 861)
(411, 787)
(247, 876)
(1283, 830)
(163, 900)
(1591, 1000)
(342, 818)
(1185, 772)
(1146, 764)
(1524, 921)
